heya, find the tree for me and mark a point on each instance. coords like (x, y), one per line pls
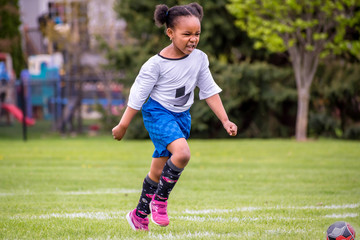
(220, 37)
(307, 29)
(10, 37)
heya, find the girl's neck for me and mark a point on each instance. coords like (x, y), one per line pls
(171, 52)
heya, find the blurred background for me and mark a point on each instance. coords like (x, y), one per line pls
(67, 66)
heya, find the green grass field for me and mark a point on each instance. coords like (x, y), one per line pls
(82, 188)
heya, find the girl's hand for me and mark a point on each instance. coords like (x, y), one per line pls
(231, 128)
(118, 132)
(217, 107)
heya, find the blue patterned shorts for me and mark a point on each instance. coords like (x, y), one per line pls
(164, 126)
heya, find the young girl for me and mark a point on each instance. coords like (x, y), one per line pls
(169, 78)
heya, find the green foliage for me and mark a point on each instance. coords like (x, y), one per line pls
(220, 37)
(352, 132)
(308, 30)
(336, 92)
(321, 124)
(316, 25)
(10, 37)
(259, 97)
(126, 59)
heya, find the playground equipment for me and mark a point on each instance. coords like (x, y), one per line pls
(17, 113)
(4, 79)
(7, 78)
(43, 85)
(41, 93)
(7, 83)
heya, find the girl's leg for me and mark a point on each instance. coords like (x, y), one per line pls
(156, 168)
(169, 176)
(150, 185)
(137, 218)
(180, 152)
(173, 167)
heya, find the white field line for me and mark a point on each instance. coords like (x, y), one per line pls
(197, 235)
(211, 235)
(109, 216)
(87, 215)
(99, 191)
(104, 191)
(257, 219)
(251, 209)
(345, 215)
(191, 217)
(121, 215)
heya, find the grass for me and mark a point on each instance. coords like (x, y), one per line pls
(82, 188)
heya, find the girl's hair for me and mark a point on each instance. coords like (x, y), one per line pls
(165, 15)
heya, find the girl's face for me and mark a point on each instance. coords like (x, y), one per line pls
(185, 35)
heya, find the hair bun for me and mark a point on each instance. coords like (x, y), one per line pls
(198, 9)
(160, 14)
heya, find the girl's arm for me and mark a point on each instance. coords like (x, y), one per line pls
(119, 130)
(217, 107)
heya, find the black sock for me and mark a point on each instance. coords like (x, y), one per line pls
(148, 190)
(168, 179)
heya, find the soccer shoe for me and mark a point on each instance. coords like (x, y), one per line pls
(137, 223)
(159, 214)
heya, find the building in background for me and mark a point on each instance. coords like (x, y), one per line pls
(63, 35)
(89, 18)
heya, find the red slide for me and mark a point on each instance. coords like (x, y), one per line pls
(17, 113)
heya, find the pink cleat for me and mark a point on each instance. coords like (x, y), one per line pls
(158, 213)
(137, 223)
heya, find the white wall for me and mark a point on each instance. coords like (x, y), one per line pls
(103, 21)
(30, 11)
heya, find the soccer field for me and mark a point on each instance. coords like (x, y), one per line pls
(82, 188)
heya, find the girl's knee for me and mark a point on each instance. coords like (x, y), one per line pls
(156, 168)
(181, 158)
(155, 175)
(180, 152)
(185, 155)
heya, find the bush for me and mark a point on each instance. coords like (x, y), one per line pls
(352, 132)
(260, 98)
(335, 94)
(323, 125)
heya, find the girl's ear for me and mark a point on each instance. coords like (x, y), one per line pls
(170, 33)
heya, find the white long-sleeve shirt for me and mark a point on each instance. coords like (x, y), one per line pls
(171, 82)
